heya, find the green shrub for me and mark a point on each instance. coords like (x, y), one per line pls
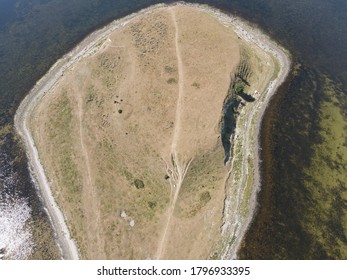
(205, 197)
(239, 87)
(152, 204)
(139, 184)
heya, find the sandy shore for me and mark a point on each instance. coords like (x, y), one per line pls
(89, 46)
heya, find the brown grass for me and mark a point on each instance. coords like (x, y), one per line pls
(110, 122)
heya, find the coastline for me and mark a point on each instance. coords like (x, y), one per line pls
(233, 228)
(87, 47)
(264, 42)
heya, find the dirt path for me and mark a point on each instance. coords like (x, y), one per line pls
(178, 169)
(180, 86)
(88, 192)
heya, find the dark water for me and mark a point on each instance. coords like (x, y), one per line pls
(34, 34)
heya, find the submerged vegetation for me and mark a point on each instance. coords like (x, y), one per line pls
(310, 209)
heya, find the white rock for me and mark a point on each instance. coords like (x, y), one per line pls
(123, 214)
(132, 223)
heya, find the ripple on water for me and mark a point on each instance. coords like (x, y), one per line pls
(15, 236)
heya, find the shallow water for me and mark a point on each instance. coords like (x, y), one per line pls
(34, 34)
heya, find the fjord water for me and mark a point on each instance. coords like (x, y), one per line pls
(302, 204)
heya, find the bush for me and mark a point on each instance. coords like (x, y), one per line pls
(172, 81)
(152, 204)
(205, 197)
(139, 184)
(239, 87)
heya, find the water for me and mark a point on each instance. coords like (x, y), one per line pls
(34, 34)
(7, 11)
(15, 240)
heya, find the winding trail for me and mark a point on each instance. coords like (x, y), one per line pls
(180, 86)
(179, 169)
(89, 193)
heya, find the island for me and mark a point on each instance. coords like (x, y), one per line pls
(143, 140)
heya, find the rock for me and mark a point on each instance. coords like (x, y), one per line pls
(123, 214)
(132, 223)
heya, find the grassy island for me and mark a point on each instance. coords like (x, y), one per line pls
(128, 131)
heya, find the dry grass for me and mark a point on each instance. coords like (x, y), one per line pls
(110, 121)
